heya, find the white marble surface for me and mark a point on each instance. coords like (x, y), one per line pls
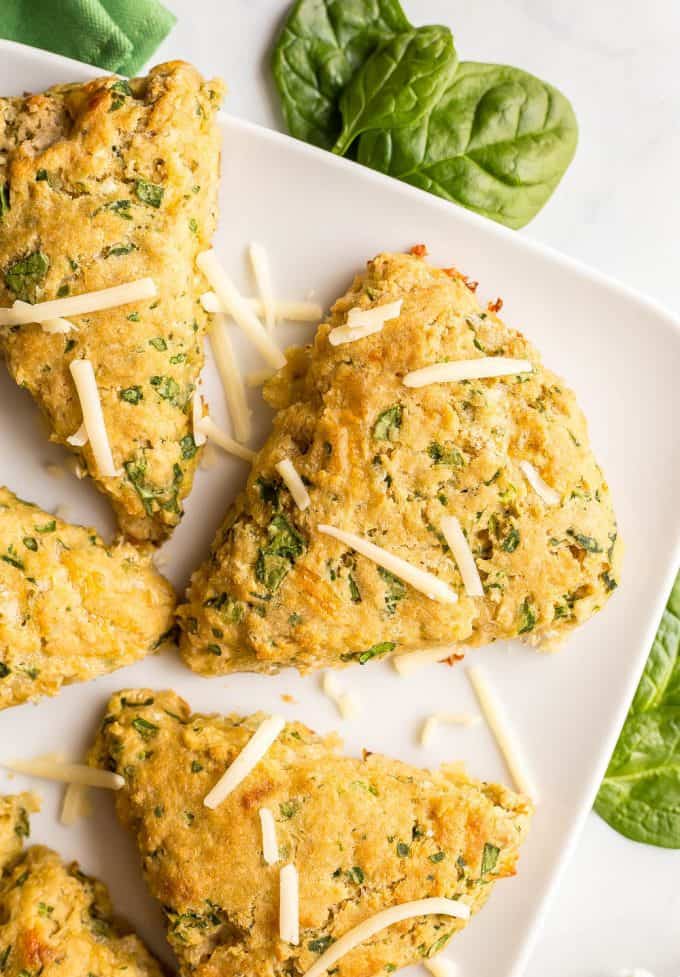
(618, 209)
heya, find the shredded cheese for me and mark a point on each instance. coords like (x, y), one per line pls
(359, 318)
(235, 305)
(53, 326)
(420, 580)
(263, 279)
(232, 383)
(483, 368)
(289, 905)
(79, 438)
(430, 725)
(258, 377)
(270, 847)
(291, 310)
(208, 427)
(296, 486)
(541, 488)
(346, 334)
(76, 804)
(503, 733)
(412, 661)
(441, 967)
(347, 703)
(67, 773)
(72, 305)
(93, 417)
(436, 906)
(248, 758)
(196, 418)
(462, 554)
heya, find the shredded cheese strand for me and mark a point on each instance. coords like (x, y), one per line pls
(483, 368)
(72, 305)
(412, 661)
(441, 967)
(207, 426)
(420, 580)
(234, 304)
(259, 261)
(349, 334)
(196, 418)
(289, 905)
(79, 438)
(93, 417)
(541, 488)
(270, 847)
(76, 804)
(462, 554)
(258, 377)
(67, 773)
(358, 318)
(232, 384)
(346, 702)
(436, 906)
(290, 310)
(430, 725)
(52, 326)
(248, 758)
(504, 734)
(294, 483)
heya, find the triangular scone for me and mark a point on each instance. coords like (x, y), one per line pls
(388, 462)
(54, 920)
(102, 184)
(364, 835)
(71, 607)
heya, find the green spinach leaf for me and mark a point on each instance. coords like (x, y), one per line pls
(322, 44)
(497, 141)
(399, 85)
(24, 277)
(640, 794)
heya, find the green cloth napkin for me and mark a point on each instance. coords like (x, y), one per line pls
(119, 35)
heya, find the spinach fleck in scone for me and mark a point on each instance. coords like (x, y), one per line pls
(364, 835)
(54, 920)
(71, 608)
(102, 184)
(388, 462)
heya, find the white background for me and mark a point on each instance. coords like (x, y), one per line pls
(619, 210)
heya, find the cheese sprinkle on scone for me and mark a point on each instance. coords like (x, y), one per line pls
(364, 835)
(71, 607)
(103, 184)
(389, 457)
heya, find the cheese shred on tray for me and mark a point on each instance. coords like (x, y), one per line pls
(381, 863)
(426, 523)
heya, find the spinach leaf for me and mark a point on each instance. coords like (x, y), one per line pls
(4, 200)
(388, 424)
(640, 794)
(149, 193)
(399, 85)
(24, 277)
(497, 141)
(322, 44)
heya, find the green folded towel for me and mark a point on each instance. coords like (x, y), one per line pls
(119, 35)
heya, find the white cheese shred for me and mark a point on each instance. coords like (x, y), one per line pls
(441, 967)
(76, 804)
(79, 438)
(232, 383)
(52, 326)
(503, 733)
(420, 580)
(429, 727)
(541, 488)
(270, 847)
(347, 703)
(258, 377)
(259, 261)
(248, 758)
(87, 302)
(196, 418)
(291, 310)
(364, 322)
(413, 661)
(66, 773)
(462, 554)
(436, 906)
(289, 905)
(93, 417)
(212, 432)
(482, 368)
(294, 483)
(235, 305)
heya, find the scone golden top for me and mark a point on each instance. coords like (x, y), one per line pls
(364, 835)
(102, 184)
(71, 608)
(387, 462)
(54, 920)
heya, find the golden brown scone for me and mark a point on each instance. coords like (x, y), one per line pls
(388, 462)
(364, 835)
(54, 920)
(101, 184)
(71, 608)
